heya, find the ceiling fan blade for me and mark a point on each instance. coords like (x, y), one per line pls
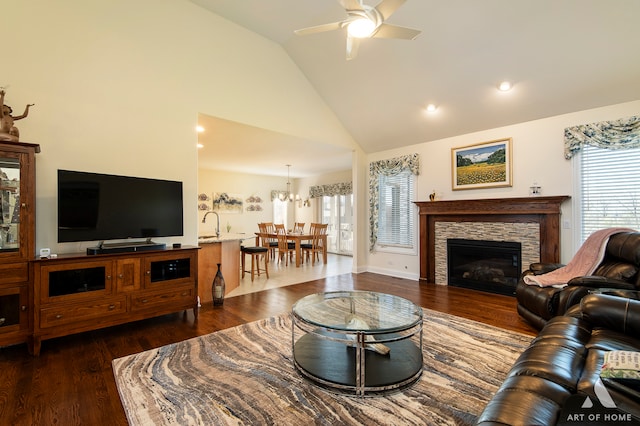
(352, 47)
(351, 4)
(394, 31)
(319, 28)
(387, 7)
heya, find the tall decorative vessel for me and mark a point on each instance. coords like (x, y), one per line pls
(217, 288)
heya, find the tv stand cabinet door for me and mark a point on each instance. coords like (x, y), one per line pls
(169, 270)
(128, 274)
(68, 281)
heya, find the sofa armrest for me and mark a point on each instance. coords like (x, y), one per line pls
(629, 387)
(571, 296)
(540, 268)
(612, 312)
(596, 281)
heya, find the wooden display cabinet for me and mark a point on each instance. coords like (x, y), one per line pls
(17, 239)
(77, 292)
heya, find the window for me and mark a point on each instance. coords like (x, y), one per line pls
(396, 213)
(280, 210)
(395, 180)
(337, 211)
(610, 189)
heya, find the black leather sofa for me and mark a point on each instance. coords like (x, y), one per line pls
(562, 364)
(618, 269)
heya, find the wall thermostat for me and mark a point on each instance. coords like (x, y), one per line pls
(45, 252)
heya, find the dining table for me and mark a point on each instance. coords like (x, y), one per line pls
(297, 238)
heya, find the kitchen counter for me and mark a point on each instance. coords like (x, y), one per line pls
(212, 239)
(224, 250)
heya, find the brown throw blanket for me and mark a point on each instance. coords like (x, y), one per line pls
(585, 261)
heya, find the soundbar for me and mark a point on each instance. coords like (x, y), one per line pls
(125, 247)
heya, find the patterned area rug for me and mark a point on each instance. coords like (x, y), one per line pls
(245, 376)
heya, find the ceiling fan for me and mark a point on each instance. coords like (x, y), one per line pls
(365, 21)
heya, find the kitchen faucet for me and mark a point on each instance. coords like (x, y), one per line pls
(217, 222)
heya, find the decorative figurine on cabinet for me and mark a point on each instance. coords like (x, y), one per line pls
(9, 132)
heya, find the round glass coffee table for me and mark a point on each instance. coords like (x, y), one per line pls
(357, 342)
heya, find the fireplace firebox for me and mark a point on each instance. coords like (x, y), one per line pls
(492, 266)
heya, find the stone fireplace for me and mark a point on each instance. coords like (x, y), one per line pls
(527, 234)
(534, 222)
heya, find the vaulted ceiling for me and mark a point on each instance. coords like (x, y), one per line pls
(561, 56)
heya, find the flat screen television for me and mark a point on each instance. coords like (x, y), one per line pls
(98, 207)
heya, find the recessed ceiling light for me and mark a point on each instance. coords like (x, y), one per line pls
(199, 129)
(431, 108)
(200, 146)
(505, 86)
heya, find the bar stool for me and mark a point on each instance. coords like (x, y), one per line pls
(255, 253)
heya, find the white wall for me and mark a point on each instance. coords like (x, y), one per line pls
(118, 86)
(538, 156)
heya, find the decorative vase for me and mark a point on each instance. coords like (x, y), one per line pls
(217, 288)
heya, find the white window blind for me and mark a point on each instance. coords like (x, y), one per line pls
(610, 189)
(396, 213)
(280, 211)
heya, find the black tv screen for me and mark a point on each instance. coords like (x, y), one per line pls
(98, 207)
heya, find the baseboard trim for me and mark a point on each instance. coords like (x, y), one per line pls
(394, 273)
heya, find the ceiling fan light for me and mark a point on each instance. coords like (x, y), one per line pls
(361, 28)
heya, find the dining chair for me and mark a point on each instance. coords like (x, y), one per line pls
(308, 243)
(285, 248)
(316, 247)
(271, 244)
(270, 227)
(298, 227)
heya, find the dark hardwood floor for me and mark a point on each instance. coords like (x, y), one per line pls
(71, 382)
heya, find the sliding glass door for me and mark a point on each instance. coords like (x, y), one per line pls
(337, 211)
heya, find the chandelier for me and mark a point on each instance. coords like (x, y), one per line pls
(288, 194)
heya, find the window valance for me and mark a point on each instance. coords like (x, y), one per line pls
(329, 190)
(389, 167)
(278, 194)
(617, 134)
(396, 165)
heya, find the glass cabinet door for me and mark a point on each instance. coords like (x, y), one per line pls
(13, 309)
(9, 203)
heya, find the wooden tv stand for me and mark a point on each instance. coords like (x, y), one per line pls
(77, 292)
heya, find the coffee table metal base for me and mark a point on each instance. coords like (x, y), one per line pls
(333, 365)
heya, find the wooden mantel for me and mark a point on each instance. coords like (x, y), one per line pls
(542, 210)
